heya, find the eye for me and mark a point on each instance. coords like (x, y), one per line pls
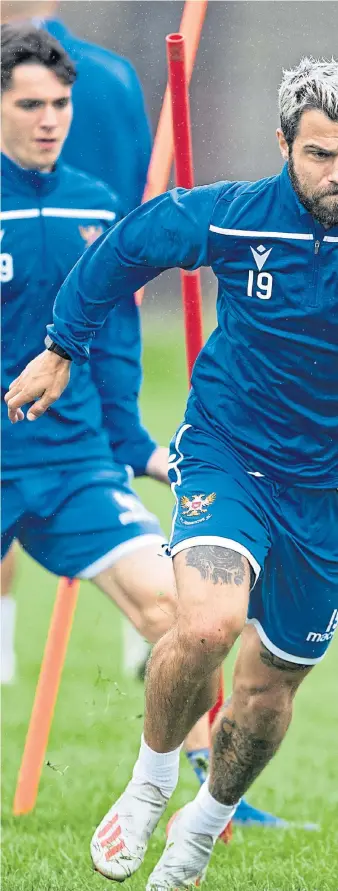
(30, 104)
(61, 103)
(321, 155)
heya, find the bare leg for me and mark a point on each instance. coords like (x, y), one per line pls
(142, 586)
(199, 736)
(251, 727)
(213, 589)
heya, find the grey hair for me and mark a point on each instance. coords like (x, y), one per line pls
(313, 84)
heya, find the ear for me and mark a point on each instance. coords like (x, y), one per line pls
(284, 148)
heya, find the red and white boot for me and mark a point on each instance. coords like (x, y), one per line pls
(120, 842)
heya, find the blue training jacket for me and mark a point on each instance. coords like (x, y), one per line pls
(47, 221)
(110, 135)
(266, 382)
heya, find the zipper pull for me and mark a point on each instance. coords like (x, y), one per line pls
(317, 246)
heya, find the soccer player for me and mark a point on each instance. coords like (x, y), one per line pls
(110, 136)
(65, 487)
(254, 466)
(65, 497)
(119, 376)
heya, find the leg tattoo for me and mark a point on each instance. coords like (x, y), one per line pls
(217, 564)
(239, 757)
(270, 659)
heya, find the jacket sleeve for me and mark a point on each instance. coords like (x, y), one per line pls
(171, 230)
(115, 359)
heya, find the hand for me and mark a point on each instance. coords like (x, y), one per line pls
(43, 379)
(157, 466)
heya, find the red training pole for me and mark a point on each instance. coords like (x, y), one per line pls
(191, 25)
(191, 281)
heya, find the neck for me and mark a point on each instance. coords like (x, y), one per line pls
(44, 169)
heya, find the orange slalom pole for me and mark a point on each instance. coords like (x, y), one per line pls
(191, 282)
(45, 696)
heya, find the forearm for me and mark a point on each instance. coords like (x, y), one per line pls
(157, 466)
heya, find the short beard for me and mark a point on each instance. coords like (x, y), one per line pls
(326, 216)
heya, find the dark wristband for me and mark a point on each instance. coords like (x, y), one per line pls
(55, 348)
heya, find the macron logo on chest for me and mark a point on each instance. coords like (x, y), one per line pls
(260, 255)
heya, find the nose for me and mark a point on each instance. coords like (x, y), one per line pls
(333, 175)
(49, 117)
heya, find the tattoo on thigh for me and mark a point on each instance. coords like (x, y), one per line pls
(273, 661)
(217, 564)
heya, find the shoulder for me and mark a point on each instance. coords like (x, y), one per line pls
(241, 199)
(94, 59)
(89, 190)
(108, 66)
(245, 190)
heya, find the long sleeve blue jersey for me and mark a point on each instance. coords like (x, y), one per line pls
(47, 221)
(110, 134)
(266, 381)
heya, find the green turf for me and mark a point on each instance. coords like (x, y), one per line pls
(97, 724)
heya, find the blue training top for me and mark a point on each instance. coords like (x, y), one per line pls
(266, 382)
(110, 135)
(47, 221)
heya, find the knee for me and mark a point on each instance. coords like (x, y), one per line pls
(156, 617)
(209, 637)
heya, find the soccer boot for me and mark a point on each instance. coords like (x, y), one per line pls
(247, 815)
(184, 861)
(120, 842)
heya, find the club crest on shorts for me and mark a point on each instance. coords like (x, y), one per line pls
(90, 233)
(193, 507)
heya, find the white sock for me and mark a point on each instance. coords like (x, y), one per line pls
(8, 614)
(207, 816)
(160, 769)
(135, 648)
(8, 611)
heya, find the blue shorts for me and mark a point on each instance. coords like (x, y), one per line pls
(289, 536)
(76, 521)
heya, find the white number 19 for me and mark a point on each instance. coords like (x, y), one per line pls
(264, 284)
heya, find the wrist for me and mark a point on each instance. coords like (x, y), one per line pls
(55, 348)
(157, 466)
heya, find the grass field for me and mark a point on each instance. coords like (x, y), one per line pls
(98, 720)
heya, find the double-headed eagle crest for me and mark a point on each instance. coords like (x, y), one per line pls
(196, 505)
(90, 233)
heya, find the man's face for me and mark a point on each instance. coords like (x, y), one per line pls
(313, 165)
(36, 116)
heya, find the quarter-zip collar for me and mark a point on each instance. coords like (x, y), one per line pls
(30, 180)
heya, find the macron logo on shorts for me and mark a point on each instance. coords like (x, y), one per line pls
(316, 637)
